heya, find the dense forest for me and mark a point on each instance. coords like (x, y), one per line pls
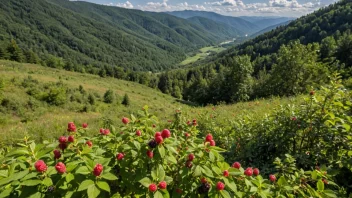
(90, 35)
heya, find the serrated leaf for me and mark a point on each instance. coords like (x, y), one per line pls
(161, 150)
(207, 171)
(31, 182)
(225, 194)
(86, 184)
(18, 152)
(83, 170)
(93, 191)
(29, 176)
(330, 193)
(158, 194)
(6, 193)
(69, 177)
(109, 176)
(320, 185)
(145, 182)
(47, 181)
(103, 185)
(197, 171)
(137, 145)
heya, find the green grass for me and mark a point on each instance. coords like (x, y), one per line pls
(202, 54)
(47, 121)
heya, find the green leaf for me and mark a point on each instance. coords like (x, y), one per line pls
(103, 185)
(211, 156)
(6, 193)
(31, 182)
(83, 170)
(225, 194)
(314, 175)
(248, 183)
(69, 177)
(207, 171)
(86, 184)
(235, 171)
(197, 171)
(320, 185)
(18, 152)
(137, 145)
(172, 159)
(161, 173)
(158, 194)
(161, 150)
(93, 191)
(330, 193)
(282, 181)
(145, 182)
(109, 176)
(29, 176)
(47, 181)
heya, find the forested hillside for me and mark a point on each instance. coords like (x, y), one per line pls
(289, 60)
(95, 36)
(242, 25)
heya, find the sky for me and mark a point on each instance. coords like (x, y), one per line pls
(288, 8)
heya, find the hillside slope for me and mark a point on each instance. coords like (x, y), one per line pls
(330, 21)
(220, 29)
(268, 29)
(236, 22)
(85, 33)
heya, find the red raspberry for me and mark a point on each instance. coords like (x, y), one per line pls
(248, 171)
(40, 166)
(226, 173)
(162, 185)
(187, 135)
(106, 132)
(84, 125)
(166, 133)
(63, 146)
(153, 187)
(98, 169)
(220, 186)
(159, 139)
(236, 165)
(138, 133)
(256, 172)
(203, 180)
(71, 138)
(212, 143)
(188, 122)
(125, 120)
(157, 134)
(120, 156)
(62, 139)
(311, 93)
(190, 157)
(293, 118)
(57, 154)
(272, 178)
(208, 138)
(101, 131)
(189, 164)
(71, 127)
(60, 168)
(89, 143)
(150, 154)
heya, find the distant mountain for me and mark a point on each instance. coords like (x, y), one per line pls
(221, 29)
(268, 29)
(236, 22)
(84, 33)
(265, 22)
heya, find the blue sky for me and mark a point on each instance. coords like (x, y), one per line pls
(290, 8)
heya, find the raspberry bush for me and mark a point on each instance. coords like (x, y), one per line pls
(136, 160)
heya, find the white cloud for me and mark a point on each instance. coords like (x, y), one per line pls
(127, 4)
(235, 7)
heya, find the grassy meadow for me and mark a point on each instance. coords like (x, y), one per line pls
(202, 53)
(23, 114)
